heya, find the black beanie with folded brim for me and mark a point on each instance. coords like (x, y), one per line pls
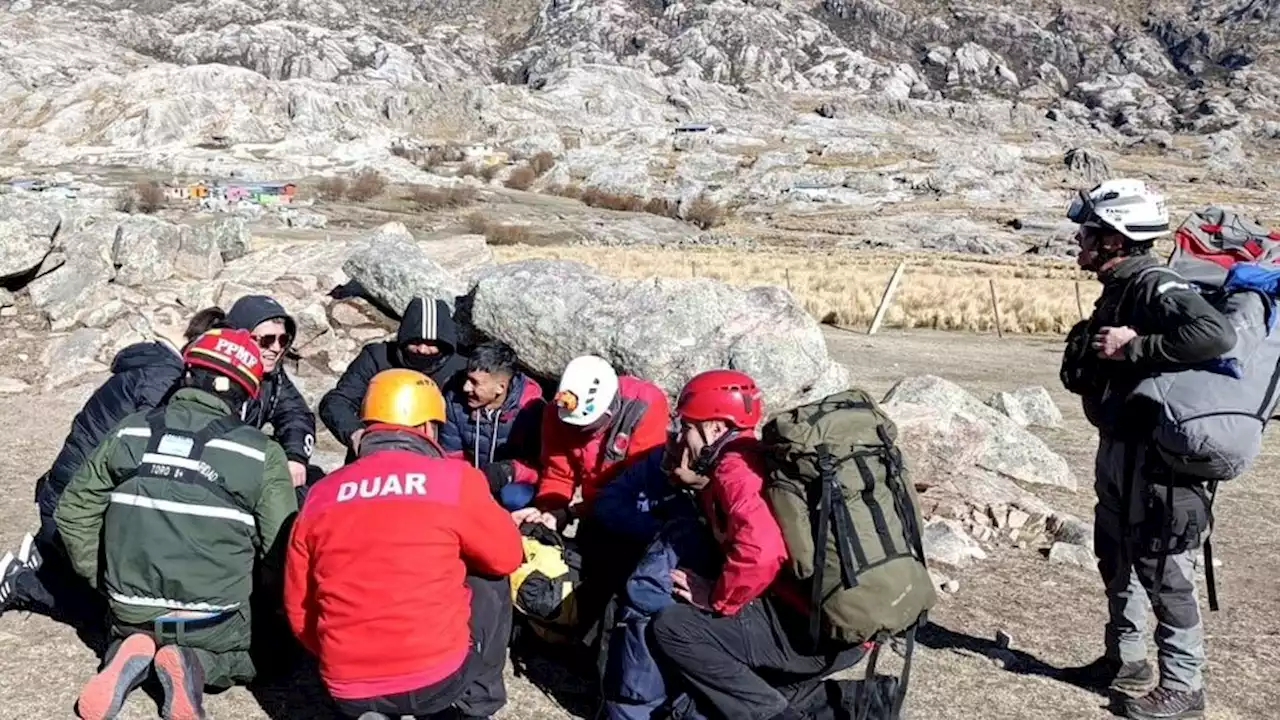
(251, 311)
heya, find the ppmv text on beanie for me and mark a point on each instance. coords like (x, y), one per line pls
(229, 352)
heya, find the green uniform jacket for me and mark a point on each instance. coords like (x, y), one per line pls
(184, 532)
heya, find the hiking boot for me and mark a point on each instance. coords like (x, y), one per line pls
(29, 554)
(1131, 678)
(105, 693)
(182, 678)
(1165, 704)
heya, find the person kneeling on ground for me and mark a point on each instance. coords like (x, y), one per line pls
(1146, 321)
(493, 411)
(167, 488)
(279, 402)
(397, 565)
(40, 576)
(427, 341)
(727, 632)
(598, 425)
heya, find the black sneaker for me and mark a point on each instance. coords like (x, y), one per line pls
(1132, 678)
(10, 569)
(1165, 704)
(29, 553)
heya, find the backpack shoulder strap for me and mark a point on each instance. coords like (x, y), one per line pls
(1131, 289)
(177, 455)
(618, 438)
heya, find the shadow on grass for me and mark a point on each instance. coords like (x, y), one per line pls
(936, 637)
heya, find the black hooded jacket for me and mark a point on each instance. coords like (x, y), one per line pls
(142, 376)
(423, 320)
(279, 401)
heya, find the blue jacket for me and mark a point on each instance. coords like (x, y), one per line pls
(510, 432)
(641, 499)
(633, 684)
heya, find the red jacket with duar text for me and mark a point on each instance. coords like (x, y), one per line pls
(375, 576)
(743, 525)
(572, 459)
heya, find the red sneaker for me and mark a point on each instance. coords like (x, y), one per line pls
(105, 693)
(182, 677)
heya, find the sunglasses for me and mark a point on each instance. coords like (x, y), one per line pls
(266, 342)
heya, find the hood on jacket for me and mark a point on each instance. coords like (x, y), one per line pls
(380, 436)
(252, 310)
(146, 354)
(520, 392)
(430, 321)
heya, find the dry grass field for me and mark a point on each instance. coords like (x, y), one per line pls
(843, 287)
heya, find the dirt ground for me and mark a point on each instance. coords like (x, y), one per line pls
(1054, 613)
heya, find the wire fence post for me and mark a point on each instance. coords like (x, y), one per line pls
(886, 298)
(995, 307)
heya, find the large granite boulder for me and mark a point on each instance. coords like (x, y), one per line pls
(664, 330)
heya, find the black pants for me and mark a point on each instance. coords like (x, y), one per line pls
(608, 559)
(477, 689)
(58, 591)
(748, 666)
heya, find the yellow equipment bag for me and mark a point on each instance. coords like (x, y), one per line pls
(542, 587)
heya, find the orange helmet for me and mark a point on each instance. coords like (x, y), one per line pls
(402, 397)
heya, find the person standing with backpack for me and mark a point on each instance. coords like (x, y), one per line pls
(726, 630)
(1148, 519)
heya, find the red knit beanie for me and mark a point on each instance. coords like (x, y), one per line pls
(232, 353)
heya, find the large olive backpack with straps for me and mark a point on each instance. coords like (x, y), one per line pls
(850, 517)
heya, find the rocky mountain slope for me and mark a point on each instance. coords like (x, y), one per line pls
(814, 104)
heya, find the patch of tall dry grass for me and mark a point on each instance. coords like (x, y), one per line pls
(946, 292)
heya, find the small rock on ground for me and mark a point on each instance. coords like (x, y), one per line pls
(12, 385)
(945, 541)
(1067, 554)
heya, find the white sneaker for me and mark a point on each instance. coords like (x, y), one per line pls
(29, 554)
(9, 567)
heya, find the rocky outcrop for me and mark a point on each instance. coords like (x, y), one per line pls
(27, 233)
(663, 330)
(969, 435)
(1028, 406)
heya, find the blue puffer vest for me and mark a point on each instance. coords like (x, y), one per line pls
(484, 434)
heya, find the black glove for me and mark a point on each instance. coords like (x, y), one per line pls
(499, 474)
(1081, 372)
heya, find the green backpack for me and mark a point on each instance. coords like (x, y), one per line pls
(851, 521)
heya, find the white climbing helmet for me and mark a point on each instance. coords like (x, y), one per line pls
(587, 388)
(1130, 207)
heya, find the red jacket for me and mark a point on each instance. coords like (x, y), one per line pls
(571, 459)
(743, 524)
(375, 580)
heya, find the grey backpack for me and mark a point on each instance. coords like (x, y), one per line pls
(1213, 415)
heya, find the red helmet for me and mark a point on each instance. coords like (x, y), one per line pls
(726, 395)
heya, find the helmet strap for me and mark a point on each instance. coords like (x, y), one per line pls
(710, 452)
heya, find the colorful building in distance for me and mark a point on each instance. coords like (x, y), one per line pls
(261, 193)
